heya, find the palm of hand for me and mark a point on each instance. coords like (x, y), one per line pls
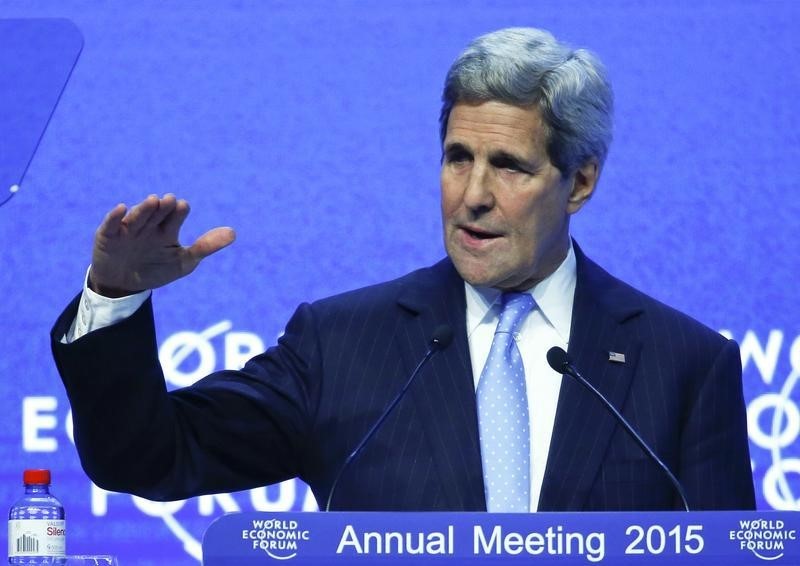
(139, 249)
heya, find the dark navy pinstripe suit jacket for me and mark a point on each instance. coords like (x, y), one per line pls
(299, 408)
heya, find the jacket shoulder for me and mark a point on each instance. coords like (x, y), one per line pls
(437, 278)
(627, 302)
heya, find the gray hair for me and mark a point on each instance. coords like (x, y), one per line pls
(529, 67)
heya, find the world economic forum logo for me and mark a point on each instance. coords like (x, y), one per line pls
(765, 538)
(279, 538)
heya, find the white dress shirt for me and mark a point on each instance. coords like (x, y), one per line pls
(546, 326)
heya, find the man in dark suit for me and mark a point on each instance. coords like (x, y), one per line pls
(526, 124)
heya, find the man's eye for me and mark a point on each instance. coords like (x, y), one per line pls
(458, 157)
(509, 165)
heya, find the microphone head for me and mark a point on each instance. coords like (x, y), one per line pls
(441, 337)
(558, 359)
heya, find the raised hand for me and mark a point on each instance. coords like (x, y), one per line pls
(138, 249)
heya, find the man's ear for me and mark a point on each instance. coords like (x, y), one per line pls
(583, 184)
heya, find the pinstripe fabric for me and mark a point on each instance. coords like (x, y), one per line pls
(680, 387)
(300, 408)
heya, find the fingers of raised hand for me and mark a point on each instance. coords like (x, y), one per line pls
(138, 216)
(110, 225)
(171, 224)
(166, 214)
(212, 241)
(166, 206)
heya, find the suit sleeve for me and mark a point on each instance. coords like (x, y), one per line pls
(230, 431)
(715, 459)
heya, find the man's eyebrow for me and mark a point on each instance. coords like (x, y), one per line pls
(456, 146)
(501, 156)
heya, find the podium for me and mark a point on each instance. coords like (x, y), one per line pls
(359, 538)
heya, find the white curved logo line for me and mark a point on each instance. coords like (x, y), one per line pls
(767, 557)
(281, 557)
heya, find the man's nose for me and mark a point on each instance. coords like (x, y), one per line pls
(478, 195)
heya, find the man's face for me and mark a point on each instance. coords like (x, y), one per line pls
(505, 206)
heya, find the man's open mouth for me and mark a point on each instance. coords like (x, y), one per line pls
(479, 234)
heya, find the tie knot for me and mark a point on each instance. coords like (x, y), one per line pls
(515, 307)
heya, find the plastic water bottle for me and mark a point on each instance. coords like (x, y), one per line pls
(36, 527)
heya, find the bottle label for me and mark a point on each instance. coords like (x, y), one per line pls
(36, 537)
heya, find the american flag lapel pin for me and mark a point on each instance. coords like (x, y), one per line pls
(616, 357)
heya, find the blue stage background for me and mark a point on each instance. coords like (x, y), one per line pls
(311, 127)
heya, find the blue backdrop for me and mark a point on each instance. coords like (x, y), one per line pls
(312, 129)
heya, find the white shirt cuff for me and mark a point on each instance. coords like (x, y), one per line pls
(96, 311)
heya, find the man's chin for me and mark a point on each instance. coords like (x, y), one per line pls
(475, 273)
(480, 275)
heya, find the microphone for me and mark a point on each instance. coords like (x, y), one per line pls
(559, 360)
(440, 339)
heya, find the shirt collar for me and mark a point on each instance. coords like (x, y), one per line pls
(553, 295)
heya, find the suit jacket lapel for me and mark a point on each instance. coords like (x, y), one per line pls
(583, 426)
(444, 393)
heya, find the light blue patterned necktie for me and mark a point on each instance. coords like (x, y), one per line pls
(503, 414)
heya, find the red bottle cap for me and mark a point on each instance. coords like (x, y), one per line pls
(36, 477)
